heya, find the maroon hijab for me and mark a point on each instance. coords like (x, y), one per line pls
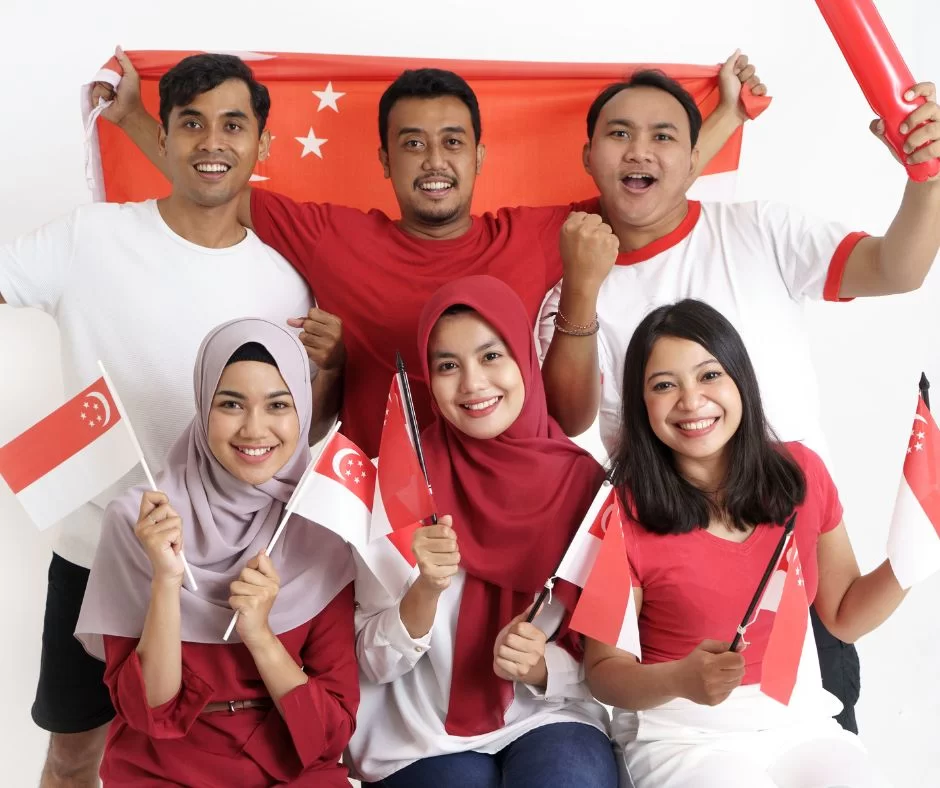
(516, 500)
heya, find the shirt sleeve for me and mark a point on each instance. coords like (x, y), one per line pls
(35, 267)
(819, 482)
(545, 328)
(811, 254)
(125, 680)
(565, 677)
(321, 714)
(291, 228)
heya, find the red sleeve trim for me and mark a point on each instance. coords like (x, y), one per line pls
(840, 259)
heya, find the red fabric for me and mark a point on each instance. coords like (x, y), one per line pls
(377, 279)
(698, 586)
(840, 260)
(174, 743)
(517, 500)
(514, 98)
(784, 648)
(922, 464)
(669, 240)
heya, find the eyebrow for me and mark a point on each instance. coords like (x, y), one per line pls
(237, 395)
(485, 346)
(660, 125)
(417, 130)
(667, 372)
(189, 112)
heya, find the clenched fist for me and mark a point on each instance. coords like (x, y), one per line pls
(711, 672)
(322, 336)
(435, 550)
(589, 250)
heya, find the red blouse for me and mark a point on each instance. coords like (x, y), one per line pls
(174, 743)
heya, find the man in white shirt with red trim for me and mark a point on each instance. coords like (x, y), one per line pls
(754, 262)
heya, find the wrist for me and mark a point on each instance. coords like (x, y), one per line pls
(262, 643)
(161, 584)
(731, 112)
(132, 117)
(538, 675)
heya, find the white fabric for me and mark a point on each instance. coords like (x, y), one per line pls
(124, 288)
(405, 685)
(755, 263)
(913, 544)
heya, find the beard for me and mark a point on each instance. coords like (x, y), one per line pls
(437, 216)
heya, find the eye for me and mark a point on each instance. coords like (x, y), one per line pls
(228, 404)
(281, 405)
(191, 124)
(620, 134)
(446, 366)
(662, 385)
(233, 127)
(663, 137)
(712, 374)
(453, 142)
(492, 355)
(413, 144)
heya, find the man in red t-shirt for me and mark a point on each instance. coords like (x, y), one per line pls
(374, 273)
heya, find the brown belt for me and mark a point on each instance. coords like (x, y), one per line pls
(231, 706)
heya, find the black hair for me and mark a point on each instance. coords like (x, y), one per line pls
(763, 482)
(648, 78)
(428, 83)
(198, 74)
(252, 351)
(457, 309)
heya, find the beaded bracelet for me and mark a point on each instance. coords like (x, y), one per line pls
(576, 329)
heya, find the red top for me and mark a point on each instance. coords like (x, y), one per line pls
(376, 279)
(255, 747)
(697, 585)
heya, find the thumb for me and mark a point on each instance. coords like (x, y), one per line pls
(729, 64)
(714, 646)
(296, 322)
(125, 62)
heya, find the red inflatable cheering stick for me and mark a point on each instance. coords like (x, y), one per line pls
(879, 69)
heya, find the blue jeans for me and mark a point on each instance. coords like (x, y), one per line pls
(561, 755)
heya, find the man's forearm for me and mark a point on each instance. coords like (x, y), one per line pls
(716, 131)
(327, 400)
(144, 131)
(911, 243)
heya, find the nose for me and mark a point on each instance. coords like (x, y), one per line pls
(473, 379)
(690, 399)
(253, 425)
(434, 158)
(638, 151)
(212, 139)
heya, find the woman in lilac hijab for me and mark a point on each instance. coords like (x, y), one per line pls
(276, 705)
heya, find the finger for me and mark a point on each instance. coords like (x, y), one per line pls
(923, 114)
(740, 64)
(125, 62)
(266, 568)
(296, 322)
(928, 153)
(255, 578)
(760, 89)
(746, 73)
(241, 588)
(437, 546)
(150, 500)
(157, 514)
(925, 135)
(715, 646)
(730, 660)
(926, 89)
(510, 668)
(527, 631)
(729, 64)
(525, 659)
(523, 644)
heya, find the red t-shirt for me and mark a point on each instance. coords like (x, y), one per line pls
(697, 586)
(177, 744)
(376, 279)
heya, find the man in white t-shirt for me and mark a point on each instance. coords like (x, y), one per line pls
(138, 286)
(754, 262)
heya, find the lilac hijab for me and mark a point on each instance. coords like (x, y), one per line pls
(226, 521)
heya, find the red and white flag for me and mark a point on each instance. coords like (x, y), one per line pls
(914, 539)
(323, 121)
(785, 597)
(69, 457)
(401, 497)
(336, 490)
(597, 561)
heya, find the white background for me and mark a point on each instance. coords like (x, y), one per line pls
(811, 149)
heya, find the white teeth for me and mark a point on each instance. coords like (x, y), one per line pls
(212, 167)
(433, 186)
(696, 425)
(256, 452)
(482, 405)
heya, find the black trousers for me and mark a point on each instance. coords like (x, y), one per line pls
(838, 663)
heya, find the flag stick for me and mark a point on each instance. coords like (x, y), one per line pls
(924, 387)
(774, 559)
(143, 461)
(289, 509)
(413, 422)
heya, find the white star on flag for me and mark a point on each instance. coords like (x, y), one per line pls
(328, 97)
(311, 144)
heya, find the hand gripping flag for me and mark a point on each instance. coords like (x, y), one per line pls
(323, 111)
(69, 457)
(914, 539)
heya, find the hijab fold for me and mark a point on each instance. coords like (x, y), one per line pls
(516, 501)
(226, 521)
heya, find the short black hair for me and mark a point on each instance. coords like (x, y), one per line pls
(428, 83)
(764, 483)
(648, 78)
(252, 351)
(198, 74)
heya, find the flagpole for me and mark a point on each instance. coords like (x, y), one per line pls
(755, 601)
(413, 423)
(289, 510)
(143, 461)
(924, 387)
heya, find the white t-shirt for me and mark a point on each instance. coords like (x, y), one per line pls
(755, 263)
(405, 685)
(125, 289)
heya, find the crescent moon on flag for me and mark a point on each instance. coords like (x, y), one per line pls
(918, 417)
(107, 408)
(338, 459)
(605, 517)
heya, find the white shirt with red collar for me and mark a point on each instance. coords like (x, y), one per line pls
(755, 263)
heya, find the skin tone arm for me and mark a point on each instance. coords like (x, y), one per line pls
(129, 114)
(160, 531)
(706, 676)
(253, 595)
(849, 603)
(435, 550)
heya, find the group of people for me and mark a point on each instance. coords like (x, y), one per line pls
(677, 320)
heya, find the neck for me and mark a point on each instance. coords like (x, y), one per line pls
(706, 473)
(436, 232)
(213, 228)
(633, 237)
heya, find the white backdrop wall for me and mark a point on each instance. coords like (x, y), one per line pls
(811, 149)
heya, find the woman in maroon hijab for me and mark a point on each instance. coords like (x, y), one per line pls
(458, 689)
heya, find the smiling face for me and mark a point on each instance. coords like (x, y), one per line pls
(641, 157)
(694, 406)
(212, 145)
(253, 426)
(432, 160)
(475, 381)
